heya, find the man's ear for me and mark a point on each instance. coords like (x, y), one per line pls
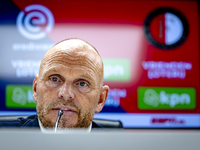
(102, 98)
(34, 88)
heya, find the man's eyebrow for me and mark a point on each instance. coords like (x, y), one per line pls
(83, 75)
(86, 76)
(51, 70)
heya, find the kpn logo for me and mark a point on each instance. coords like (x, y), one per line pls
(116, 69)
(19, 96)
(166, 98)
(35, 21)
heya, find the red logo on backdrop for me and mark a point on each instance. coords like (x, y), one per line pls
(166, 28)
(167, 120)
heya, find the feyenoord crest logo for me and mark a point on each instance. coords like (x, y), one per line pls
(166, 28)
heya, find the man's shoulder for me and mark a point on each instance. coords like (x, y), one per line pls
(30, 121)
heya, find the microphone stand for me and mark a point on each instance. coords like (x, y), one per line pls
(60, 113)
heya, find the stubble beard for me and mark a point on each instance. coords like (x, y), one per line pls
(84, 120)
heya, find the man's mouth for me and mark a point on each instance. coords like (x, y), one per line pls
(65, 110)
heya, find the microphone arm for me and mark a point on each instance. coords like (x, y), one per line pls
(60, 112)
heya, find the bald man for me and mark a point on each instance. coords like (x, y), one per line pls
(70, 78)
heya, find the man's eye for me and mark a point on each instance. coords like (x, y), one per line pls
(54, 79)
(82, 86)
(82, 83)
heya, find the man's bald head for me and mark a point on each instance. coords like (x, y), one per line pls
(74, 52)
(77, 42)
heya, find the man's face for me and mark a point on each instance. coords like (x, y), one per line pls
(71, 80)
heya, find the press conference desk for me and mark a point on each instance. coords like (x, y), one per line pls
(100, 140)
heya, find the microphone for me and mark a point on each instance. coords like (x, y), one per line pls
(60, 113)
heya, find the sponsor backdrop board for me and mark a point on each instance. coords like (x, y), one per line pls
(150, 51)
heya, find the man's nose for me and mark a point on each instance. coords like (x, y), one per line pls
(66, 92)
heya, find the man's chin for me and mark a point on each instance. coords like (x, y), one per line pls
(46, 122)
(77, 121)
(64, 123)
(67, 122)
